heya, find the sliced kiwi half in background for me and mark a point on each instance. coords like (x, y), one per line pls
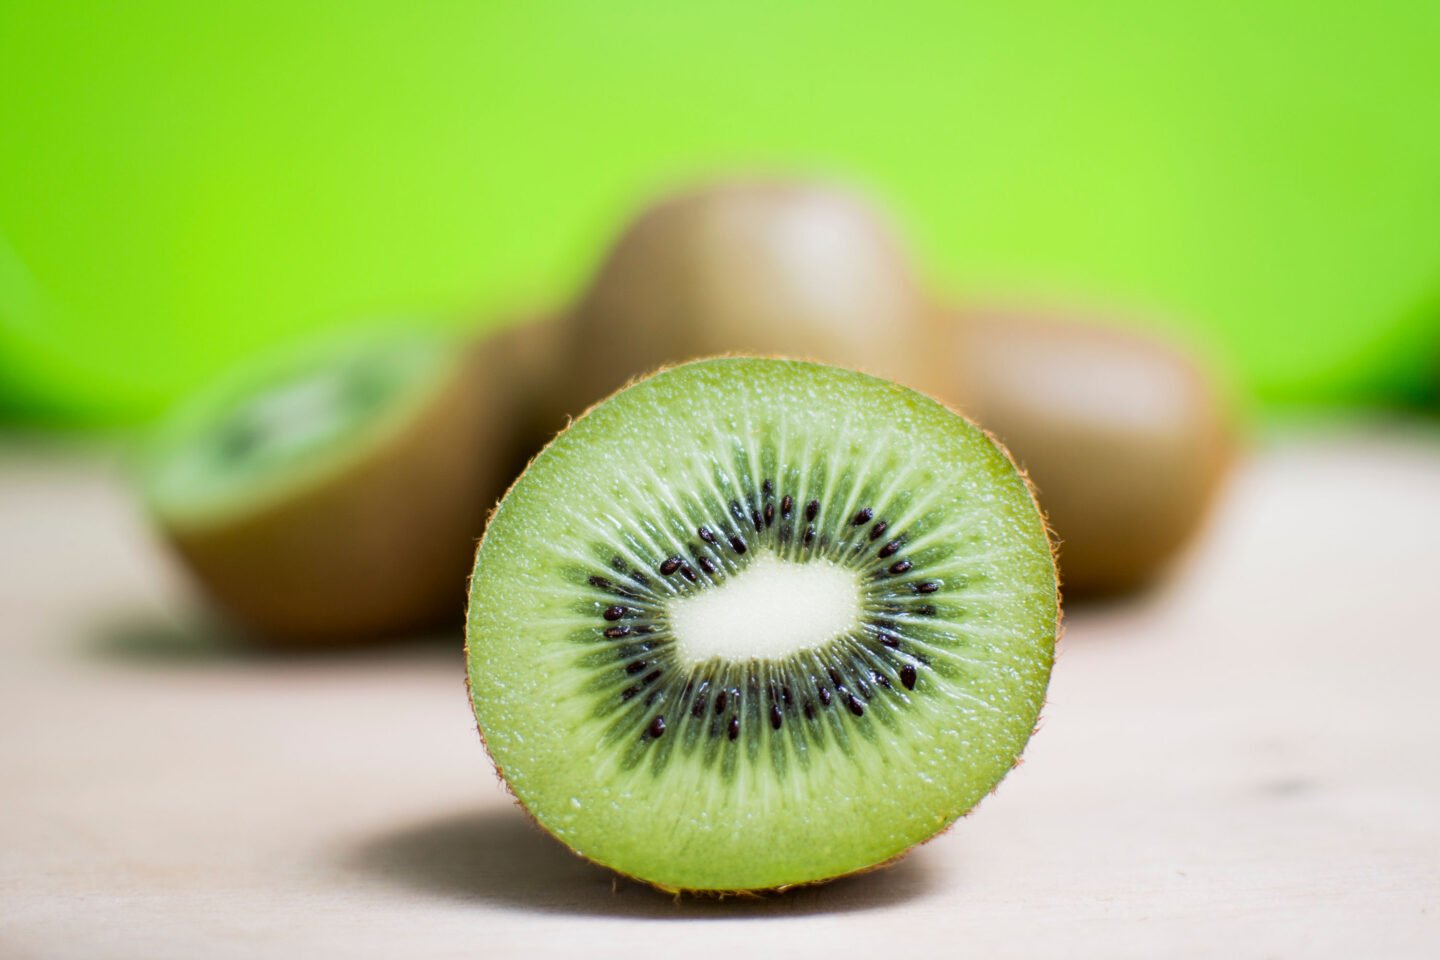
(334, 492)
(755, 623)
(762, 266)
(1125, 435)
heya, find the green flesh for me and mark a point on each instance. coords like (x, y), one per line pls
(812, 764)
(290, 420)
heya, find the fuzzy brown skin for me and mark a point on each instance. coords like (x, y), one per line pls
(1125, 436)
(756, 267)
(380, 548)
(757, 893)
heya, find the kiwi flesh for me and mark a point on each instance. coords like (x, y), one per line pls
(756, 266)
(1124, 435)
(333, 493)
(755, 623)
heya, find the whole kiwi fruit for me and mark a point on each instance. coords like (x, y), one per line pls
(1124, 435)
(773, 267)
(334, 492)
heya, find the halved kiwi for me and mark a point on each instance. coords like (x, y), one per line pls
(756, 623)
(765, 266)
(334, 492)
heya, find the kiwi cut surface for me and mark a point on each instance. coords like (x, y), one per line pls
(334, 492)
(756, 623)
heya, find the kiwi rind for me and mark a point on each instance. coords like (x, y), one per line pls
(751, 266)
(372, 540)
(1125, 495)
(1016, 475)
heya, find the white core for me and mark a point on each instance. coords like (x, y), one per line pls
(770, 609)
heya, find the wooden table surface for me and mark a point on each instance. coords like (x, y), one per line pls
(1243, 764)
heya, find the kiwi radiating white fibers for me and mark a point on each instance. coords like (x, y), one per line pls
(756, 623)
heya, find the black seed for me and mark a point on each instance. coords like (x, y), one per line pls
(670, 565)
(878, 529)
(721, 698)
(736, 511)
(640, 578)
(706, 535)
(767, 488)
(856, 707)
(618, 563)
(698, 710)
(775, 717)
(809, 710)
(863, 517)
(615, 633)
(769, 514)
(635, 666)
(737, 544)
(928, 610)
(825, 696)
(785, 695)
(900, 566)
(907, 676)
(629, 692)
(890, 548)
(834, 677)
(809, 537)
(601, 583)
(880, 678)
(688, 572)
(812, 509)
(613, 613)
(657, 726)
(643, 628)
(927, 586)
(755, 518)
(650, 678)
(889, 641)
(787, 504)
(706, 564)
(734, 727)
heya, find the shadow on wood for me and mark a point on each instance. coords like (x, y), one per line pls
(500, 857)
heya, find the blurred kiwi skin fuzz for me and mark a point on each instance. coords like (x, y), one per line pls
(381, 549)
(1125, 436)
(752, 266)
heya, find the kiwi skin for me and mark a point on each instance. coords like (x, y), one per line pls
(759, 893)
(1125, 435)
(381, 548)
(764, 267)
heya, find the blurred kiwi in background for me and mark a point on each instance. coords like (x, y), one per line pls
(1126, 436)
(769, 267)
(333, 492)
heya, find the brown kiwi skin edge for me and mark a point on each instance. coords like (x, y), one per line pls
(757, 893)
(378, 550)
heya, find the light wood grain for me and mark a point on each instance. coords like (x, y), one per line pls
(1243, 764)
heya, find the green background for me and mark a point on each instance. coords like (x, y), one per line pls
(183, 183)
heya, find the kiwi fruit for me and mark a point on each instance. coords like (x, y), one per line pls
(753, 623)
(774, 267)
(334, 492)
(1125, 436)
